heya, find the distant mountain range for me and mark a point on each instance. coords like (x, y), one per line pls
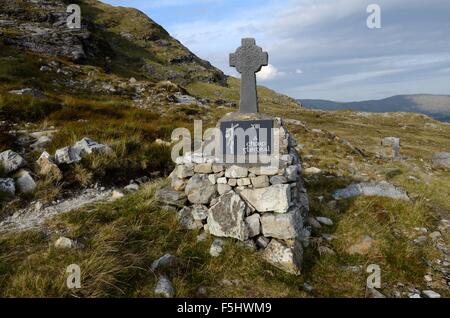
(436, 106)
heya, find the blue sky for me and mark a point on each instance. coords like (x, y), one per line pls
(320, 48)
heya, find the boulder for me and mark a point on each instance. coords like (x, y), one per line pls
(186, 219)
(46, 167)
(200, 190)
(382, 189)
(274, 198)
(283, 226)
(285, 257)
(10, 161)
(7, 187)
(170, 197)
(441, 160)
(226, 218)
(236, 172)
(67, 155)
(24, 182)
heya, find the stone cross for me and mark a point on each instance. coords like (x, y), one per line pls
(248, 60)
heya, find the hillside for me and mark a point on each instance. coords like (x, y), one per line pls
(126, 84)
(436, 106)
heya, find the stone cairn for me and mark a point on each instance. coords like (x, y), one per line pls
(262, 205)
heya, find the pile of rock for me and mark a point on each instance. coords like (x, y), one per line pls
(14, 178)
(264, 206)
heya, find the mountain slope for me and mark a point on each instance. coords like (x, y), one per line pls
(436, 106)
(121, 40)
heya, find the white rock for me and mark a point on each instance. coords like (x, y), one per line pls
(264, 171)
(133, 187)
(312, 170)
(284, 257)
(199, 212)
(236, 172)
(67, 155)
(216, 248)
(430, 294)
(199, 190)
(324, 220)
(243, 182)
(46, 167)
(24, 182)
(292, 172)
(275, 198)
(184, 171)
(65, 242)
(203, 168)
(164, 287)
(10, 161)
(212, 178)
(41, 143)
(116, 195)
(223, 188)
(226, 218)
(283, 226)
(87, 146)
(186, 219)
(164, 261)
(222, 180)
(260, 182)
(7, 187)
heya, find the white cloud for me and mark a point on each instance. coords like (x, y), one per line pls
(268, 73)
(298, 71)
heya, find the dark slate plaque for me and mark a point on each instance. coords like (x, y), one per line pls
(243, 138)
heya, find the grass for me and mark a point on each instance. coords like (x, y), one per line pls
(121, 240)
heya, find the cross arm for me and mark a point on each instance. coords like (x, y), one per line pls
(233, 60)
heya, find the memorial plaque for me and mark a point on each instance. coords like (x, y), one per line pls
(243, 138)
